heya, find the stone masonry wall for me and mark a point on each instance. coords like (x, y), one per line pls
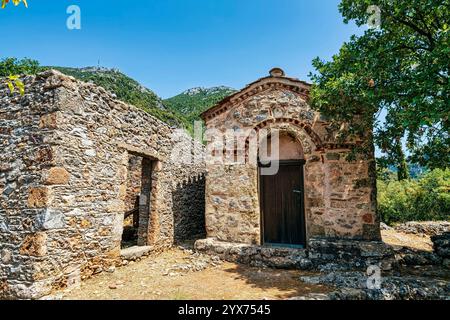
(340, 196)
(63, 182)
(25, 158)
(134, 181)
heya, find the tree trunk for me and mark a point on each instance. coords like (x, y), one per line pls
(402, 165)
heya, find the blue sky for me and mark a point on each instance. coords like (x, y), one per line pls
(173, 45)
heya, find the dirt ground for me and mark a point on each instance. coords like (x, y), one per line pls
(419, 242)
(148, 279)
(151, 279)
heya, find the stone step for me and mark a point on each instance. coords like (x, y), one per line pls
(135, 252)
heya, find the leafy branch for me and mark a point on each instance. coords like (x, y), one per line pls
(400, 70)
(15, 2)
(13, 81)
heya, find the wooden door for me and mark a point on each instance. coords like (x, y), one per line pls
(282, 206)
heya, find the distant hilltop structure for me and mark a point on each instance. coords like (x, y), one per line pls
(99, 69)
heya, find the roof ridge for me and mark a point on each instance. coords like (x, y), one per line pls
(277, 75)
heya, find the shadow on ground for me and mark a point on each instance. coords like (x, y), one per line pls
(287, 282)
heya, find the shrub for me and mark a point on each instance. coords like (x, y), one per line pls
(427, 198)
(13, 66)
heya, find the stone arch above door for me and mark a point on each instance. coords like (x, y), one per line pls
(289, 148)
(303, 133)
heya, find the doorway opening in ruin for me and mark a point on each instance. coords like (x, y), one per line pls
(281, 193)
(137, 201)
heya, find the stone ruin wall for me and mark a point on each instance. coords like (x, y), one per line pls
(134, 179)
(65, 147)
(340, 200)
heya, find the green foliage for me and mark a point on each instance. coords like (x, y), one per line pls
(13, 83)
(179, 111)
(15, 2)
(425, 199)
(390, 172)
(125, 88)
(14, 66)
(385, 174)
(191, 103)
(401, 68)
(11, 67)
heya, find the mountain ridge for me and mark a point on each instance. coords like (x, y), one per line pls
(179, 111)
(126, 89)
(193, 102)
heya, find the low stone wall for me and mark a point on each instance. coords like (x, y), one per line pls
(441, 246)
(320, 254)
(361, 286)
(64, 180)
(429, 228)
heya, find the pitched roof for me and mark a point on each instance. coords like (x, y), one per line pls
(276, 78)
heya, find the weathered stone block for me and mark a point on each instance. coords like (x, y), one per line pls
(34, 245)
(314, 159)
(340, 204)
(48, 121)
(5, 131)
(362, 183)
(58, 176)
(6, 256)
(371, 232)
(446, 263)
(50, 219)
(38, 197)
(316, 202)
(135, 252)
(368, 218)
(44, 155)
(317, 230)
(333, 156)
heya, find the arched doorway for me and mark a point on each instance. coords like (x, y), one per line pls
(281, 191)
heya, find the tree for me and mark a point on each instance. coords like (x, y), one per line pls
(12, 80)
(10, 68)
(26, 66)
(15, 2)
(400, 69)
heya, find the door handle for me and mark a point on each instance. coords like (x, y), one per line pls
(297, 191)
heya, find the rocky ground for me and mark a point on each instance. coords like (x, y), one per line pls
(180, 274)
(183, 274)
(404, 285)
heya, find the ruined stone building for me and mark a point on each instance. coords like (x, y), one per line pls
(73, 160)
(83, 176)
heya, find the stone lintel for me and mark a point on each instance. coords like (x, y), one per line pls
(140, 152)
